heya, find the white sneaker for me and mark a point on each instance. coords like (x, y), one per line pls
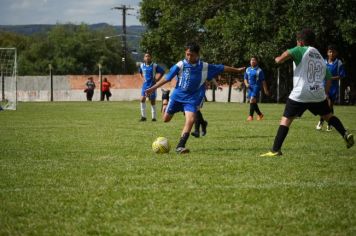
(329, 128)
(319, 126)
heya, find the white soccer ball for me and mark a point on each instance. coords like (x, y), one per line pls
(161, 145)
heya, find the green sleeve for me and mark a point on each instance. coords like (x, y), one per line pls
(297, 53)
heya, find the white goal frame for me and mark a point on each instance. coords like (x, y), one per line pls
(8, 80)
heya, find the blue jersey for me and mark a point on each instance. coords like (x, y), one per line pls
(336, 68)
(149, 73)
(254, 76)
(191, 78)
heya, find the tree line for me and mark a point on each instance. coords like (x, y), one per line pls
(231, 31)
(69, 49)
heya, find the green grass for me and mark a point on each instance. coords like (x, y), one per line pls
(87, 168)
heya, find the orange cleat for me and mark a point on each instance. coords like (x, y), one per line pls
(260, 117)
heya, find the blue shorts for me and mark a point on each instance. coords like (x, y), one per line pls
(151, 97)
(333, 95)
(200, 102)
(254, 91)
(175, 106)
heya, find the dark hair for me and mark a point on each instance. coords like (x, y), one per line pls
(332, 47)
(193, 47)
(256, 57)
(307, 36)
(148, 52)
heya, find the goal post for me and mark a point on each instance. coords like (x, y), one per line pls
(8, 79)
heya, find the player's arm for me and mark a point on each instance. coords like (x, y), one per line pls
(234, 70)
(283, 57)
(265, 87)
(160, 83)
(216, 84)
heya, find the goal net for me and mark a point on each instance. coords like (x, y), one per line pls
(8, 79)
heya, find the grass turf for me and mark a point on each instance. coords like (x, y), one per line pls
(87, 168)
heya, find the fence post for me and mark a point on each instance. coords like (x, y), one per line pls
(51, 79)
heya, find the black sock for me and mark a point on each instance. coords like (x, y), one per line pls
(257, 109)
(198, 121)
(252, 109)
(183, 140)
(336, 123)
(332, 110)
(279, 139)
(321, 120)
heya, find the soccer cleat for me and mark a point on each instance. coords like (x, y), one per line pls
(195, 134)
(329, 128)
(203, 128)
(154, 119)
(271, 154)
(143, 119)
(319, 126)
(250, 118)
(349, 139)
(260, 117)
(182, 150)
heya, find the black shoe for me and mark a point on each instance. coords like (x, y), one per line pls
(203, 128)
(154, 119)
(195, 134)
(182, 150)
(143, 119)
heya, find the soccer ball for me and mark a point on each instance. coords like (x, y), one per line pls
(161, 145)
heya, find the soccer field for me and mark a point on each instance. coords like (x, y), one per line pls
(83, 168)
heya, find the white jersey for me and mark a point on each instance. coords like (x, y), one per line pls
(308, 78)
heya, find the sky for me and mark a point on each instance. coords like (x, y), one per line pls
(24, 12)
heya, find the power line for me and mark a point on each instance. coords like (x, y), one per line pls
(124, 10)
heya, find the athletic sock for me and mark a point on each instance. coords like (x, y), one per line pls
(321, 120)
(183, 140)
(279, 139)
(336, 123)
(252, 109)
(154, 112)
(257, 109)
(332, 110)
(198, 121)
(143, 109)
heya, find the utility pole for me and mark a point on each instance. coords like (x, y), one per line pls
(124, 10)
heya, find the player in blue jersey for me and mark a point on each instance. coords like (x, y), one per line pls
(253, 79)
(191, 74)
(150, 73)
(337, 71)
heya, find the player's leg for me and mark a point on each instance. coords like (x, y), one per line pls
(153, 106)
(165, 100)
(325, 112)
(331, 105)
(189, 121)
(199, 120)
(143, 108)
(252, 108)
(291, 111)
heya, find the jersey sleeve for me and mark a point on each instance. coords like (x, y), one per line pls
(297, 54)
(172, 72)
(214, 70)
(261, 76)
(342, 72)
(159, 70)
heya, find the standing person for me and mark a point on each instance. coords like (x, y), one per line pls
(253, 79)
(308, 90)
(105, 90)
(148, 72)
(337, 71)
(90, 84)
(199, 119)
(191, 74)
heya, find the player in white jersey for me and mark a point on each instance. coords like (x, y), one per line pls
(308, 90)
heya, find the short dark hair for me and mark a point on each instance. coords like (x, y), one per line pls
(332, 47)
(256, 57)
(148, 52)
(307, 36)
(193, 47)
